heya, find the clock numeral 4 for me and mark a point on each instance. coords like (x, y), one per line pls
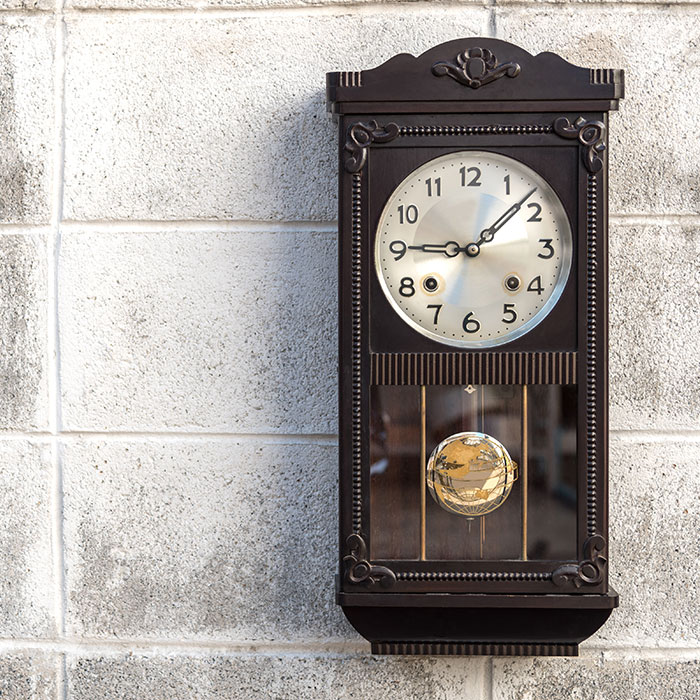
(469, 324)
(509, 315)
(547, 245)
(437, 308)
(407, 289)
(409, 214)
(465, 172)
(536, 285)
(433, 186)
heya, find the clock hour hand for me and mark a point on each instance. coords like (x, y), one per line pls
(450, 249)
(488, 233)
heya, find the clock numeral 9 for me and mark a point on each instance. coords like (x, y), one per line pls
(509, 311)
(437, 188)
(437, 308)
(536, 215)
(536, 285)
(547, 245)
(410, 215)
(398, 248)
(407, 289)
(470, 325)
(474, 182)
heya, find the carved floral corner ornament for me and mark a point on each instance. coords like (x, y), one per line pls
(475, 67)
(359, 570)
(590, 134)
(360, 136)
(590, 570)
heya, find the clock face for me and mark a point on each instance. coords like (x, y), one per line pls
(473, 249)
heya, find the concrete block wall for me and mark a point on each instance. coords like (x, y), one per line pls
(167, 349)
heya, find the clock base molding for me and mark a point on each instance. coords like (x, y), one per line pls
(471, 649)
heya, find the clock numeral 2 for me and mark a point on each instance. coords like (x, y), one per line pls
(509, 311)
(437, 188)
(407, 289)
(411, 214)
(536, 215)
(437, 308)
(470, 325)
(474, 182)
(547, 245)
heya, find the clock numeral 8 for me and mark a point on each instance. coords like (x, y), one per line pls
(407, 289)
(470, 325)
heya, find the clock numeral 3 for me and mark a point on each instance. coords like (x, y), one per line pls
(398, 248)
(470, 325)
(474, 182)
(536, 285)
(509, 312)
(437, 308)
(407, 289)
(547, 245)
(433, 187)
(410, 215)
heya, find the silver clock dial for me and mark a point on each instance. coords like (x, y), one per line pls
(473, 249)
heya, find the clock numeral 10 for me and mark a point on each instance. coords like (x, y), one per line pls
(470, 325)
(509, 312)
(474, 181)
(410, 215)
(433, 185)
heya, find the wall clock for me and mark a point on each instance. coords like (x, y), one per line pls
(473, 350)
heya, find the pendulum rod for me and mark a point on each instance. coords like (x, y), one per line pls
(482, 519)
(523, 473)
(422, 473)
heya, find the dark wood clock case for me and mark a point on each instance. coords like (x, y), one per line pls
(489, 95)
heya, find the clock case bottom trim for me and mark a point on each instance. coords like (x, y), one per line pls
(482, 624)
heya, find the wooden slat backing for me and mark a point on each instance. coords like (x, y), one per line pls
(474, 368)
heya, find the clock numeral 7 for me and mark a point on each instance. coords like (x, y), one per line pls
(437, 308)
(409, 215)
(509, 311)
(547, 245)
(470, 325)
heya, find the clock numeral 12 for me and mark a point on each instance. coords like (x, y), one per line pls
(474, 182)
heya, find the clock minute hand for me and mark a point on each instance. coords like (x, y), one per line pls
(488, 233)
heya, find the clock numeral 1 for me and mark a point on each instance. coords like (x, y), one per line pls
(411, 214)
(437, 308)
(536, 215)
(536, 285)
(474, 182)
(506, 179)
(509, 311)
(407, 289)
(470, 325)
(437, 188)
(547, 245)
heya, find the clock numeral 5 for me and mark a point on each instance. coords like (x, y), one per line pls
(409, 215)
(470, 325)
(509, 311)
(407, 289)
(437, 308)
(547, 245)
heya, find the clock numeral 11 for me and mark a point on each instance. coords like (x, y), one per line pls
(433, 185)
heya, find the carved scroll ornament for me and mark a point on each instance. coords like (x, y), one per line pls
(590, 570)
(360, 136)
(359, 570)
(590, 134)
(475, 67)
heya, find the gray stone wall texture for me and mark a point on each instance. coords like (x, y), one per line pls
(167, 349)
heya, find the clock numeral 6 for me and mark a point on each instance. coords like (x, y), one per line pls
(509, 311)
(407, 289)
(536, 285)
(398, 248)
(437, 308)
(547, 245)
(470, 325)
(409, 215)
(474, 182)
